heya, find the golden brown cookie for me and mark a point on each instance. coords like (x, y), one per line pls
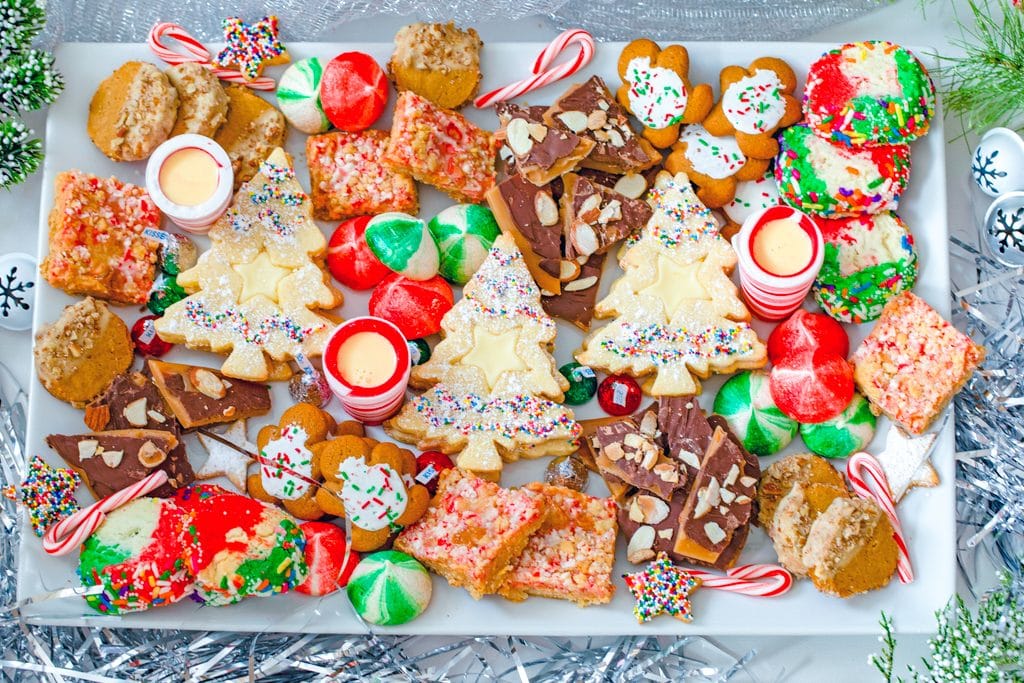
(755, 103)
(782, 475)
(296, 442)
(440, 62)
(202, 102)
(656, 89)
(82, 352)
(350, 427)
(715, 164)
(252, 131)
(794, 516)
(850, 548)
(132, 112)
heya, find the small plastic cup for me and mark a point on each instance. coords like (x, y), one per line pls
(369, 405)
(195, 218)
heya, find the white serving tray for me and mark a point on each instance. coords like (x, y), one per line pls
(927, 514)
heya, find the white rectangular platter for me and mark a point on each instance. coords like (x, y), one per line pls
(928, 514)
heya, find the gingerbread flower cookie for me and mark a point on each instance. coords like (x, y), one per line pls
(713, 163)
(656, 90)
(756, 102)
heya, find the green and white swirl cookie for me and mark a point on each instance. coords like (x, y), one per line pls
(389, 588)
(843, 435)
(746, 404)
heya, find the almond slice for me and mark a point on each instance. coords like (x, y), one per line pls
(135, 413)
(581, 284)
(641, 545)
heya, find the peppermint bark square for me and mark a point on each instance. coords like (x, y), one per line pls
(349, 178)
(572, 554)
(442, 148)
(473, 531)
(913, 363)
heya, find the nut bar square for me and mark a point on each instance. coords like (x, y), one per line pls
(349, 178)
(97, 245)
(572, 555)
(442, 148)
(473, 531)
(913, 362)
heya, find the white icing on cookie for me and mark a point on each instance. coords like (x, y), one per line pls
(657, 96)
(754, 104)
(752, 196)
(291, 457)
(374, 495)
(712, 156)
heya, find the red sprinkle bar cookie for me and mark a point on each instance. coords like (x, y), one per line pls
(913, 362)
(473, 531)
(96, 241)
(572, 554)
(442, 148)
(349, 178)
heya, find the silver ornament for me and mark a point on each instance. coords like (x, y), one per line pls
(310, 388)
(568, 471)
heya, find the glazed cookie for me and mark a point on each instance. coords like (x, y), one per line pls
(202, 102)
(869, 93)
(82, 352)
(251, 132)
(714, 164)
(656, 89)
(132, 112)
(438, 61)
(868, 260)
(756, 102)
(833, 181)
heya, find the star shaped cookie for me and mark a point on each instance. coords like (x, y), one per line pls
(48, 493)
(250, 47)
(662, 588)
(225, 461)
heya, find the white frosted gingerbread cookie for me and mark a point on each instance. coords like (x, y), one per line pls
(676, 312)
(493, 386)
(254, 294)
(715, 164)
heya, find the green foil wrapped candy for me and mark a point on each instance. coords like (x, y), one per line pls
(582, 383)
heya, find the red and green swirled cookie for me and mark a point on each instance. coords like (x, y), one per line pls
(868, 260)
(869, 93)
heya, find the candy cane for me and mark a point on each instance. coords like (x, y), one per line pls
(198, 54)
(862, 470)
(757, 580)
(544, 74)
(80, 525)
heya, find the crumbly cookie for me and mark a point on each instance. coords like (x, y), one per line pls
(656, 89)
(756, 102)
(438, 61)
(202, 102)
(132, 112)
(253, 130)
(677, 313)
(82, 352)
(782, 475)
(715, 164)
(794, 517)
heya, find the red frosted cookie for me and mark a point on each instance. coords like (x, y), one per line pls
(806, 331)
(325, 553)
(349, 259)
(414, 306)
(812, 386)
(353, 91)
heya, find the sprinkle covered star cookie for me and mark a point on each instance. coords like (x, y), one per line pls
(662, 588)
(493, 384)
(254, 295)
(250, 47)
(676, 313)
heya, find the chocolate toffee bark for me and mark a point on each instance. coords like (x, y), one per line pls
(686, 430)
(203, 396)
(575, 303)
(595, 217)
(529, 214)
(112, 460)
(540, 152)
(131, 401)
(629, 450)
(590, 110)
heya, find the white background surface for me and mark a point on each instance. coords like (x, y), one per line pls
(798, 659)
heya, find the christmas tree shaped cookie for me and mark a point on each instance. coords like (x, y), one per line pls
(255, 293)
(676, 312)
(492, 384)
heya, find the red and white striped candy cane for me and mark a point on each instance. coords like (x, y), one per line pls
(196, 52)
(544, 73)
(757, 580)
(863, 470)
(68, 534)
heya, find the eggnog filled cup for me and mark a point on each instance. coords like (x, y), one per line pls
(366, 362)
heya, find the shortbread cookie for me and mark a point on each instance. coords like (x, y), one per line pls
(677, 313)
(782, 475)
(756, 102)
(82, 352)
(253, 129)
(495, 385)
(254, 293)
(132, 112)
(202, 102)
(438, 61)
(715, 164)
(793, 518)
(656, 89)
